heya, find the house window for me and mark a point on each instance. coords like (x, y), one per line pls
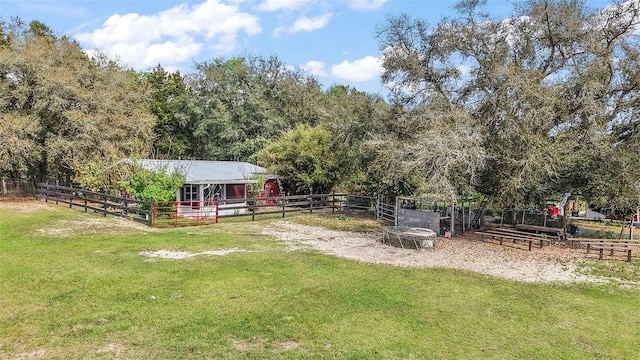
(189, 195)
(235, 191)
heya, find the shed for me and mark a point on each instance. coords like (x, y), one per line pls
(208, 181)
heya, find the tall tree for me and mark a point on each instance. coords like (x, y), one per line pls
(542, 88)
(304, 160)
(168, 97)
(62, 109)
(353, 117)
(243, 102)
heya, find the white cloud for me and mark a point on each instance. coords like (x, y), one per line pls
(304, 24)
(363, 69)
(316, 68)
(307, 24)
(275, 5)
(172, 35)
(365, 5)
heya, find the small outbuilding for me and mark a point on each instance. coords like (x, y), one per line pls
(208, 181)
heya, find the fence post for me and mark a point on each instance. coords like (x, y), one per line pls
(56, 192)
(152, 221)
(310, 198)
(462, 216)
(104, 202)
(4, 187)
(333, 202)
(253, 211)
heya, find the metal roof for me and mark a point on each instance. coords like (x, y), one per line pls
(207, 172)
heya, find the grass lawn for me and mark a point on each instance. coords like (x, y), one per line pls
(73, 285)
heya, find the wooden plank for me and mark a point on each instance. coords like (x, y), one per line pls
(514, 238)
(538, 228)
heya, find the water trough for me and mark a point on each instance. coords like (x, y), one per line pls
(409, 237)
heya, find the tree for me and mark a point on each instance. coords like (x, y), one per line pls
(241, 103)
(61, 109)
(542, 89)
(303, 159)
(352, 117)
(157, 185)
(168, 97)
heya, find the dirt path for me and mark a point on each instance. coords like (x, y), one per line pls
(549, 264)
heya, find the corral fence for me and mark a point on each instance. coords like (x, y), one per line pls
(538, 217)
(194, 213)
(187, 213)
(16, 187)
(104, 204)
(184, 213)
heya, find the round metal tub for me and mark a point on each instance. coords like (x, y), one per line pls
(409, 237)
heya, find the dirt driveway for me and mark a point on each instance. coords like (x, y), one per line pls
(552, 263)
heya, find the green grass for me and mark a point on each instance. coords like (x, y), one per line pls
(69, 290)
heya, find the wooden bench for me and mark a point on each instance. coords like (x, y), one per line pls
(625, 245)
(514, 231)
(558, 232)
(514, 236)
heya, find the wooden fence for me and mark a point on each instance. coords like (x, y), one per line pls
(193, 213)
(282, 205)
(98, 202)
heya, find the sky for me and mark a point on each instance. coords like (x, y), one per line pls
(333, 40)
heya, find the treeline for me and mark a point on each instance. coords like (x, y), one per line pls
(512, 112)
(69, 117)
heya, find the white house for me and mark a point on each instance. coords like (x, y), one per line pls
(208, 181)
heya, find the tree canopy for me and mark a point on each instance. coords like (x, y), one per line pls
(539, 97)
(60, 109)
(513, 110)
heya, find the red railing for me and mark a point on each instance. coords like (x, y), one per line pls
(184, 213)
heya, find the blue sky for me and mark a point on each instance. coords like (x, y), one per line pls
(331, 39)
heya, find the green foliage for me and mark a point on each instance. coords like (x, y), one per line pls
(303, 159)
(60, 109)
(240, 104)
(167, 100)
(158, 185)
(548, 117)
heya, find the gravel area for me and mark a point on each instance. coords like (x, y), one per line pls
(467, 252)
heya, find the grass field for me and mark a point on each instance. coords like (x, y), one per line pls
(73, 285)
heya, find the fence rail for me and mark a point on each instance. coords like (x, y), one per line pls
(385, 212)
(101, 203)
(193, 213)
(184, 213)
(13, 187)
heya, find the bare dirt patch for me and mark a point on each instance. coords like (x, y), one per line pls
(467, 252)
(23, 204)
(179, 255)
(112, 348)
(93, 226)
